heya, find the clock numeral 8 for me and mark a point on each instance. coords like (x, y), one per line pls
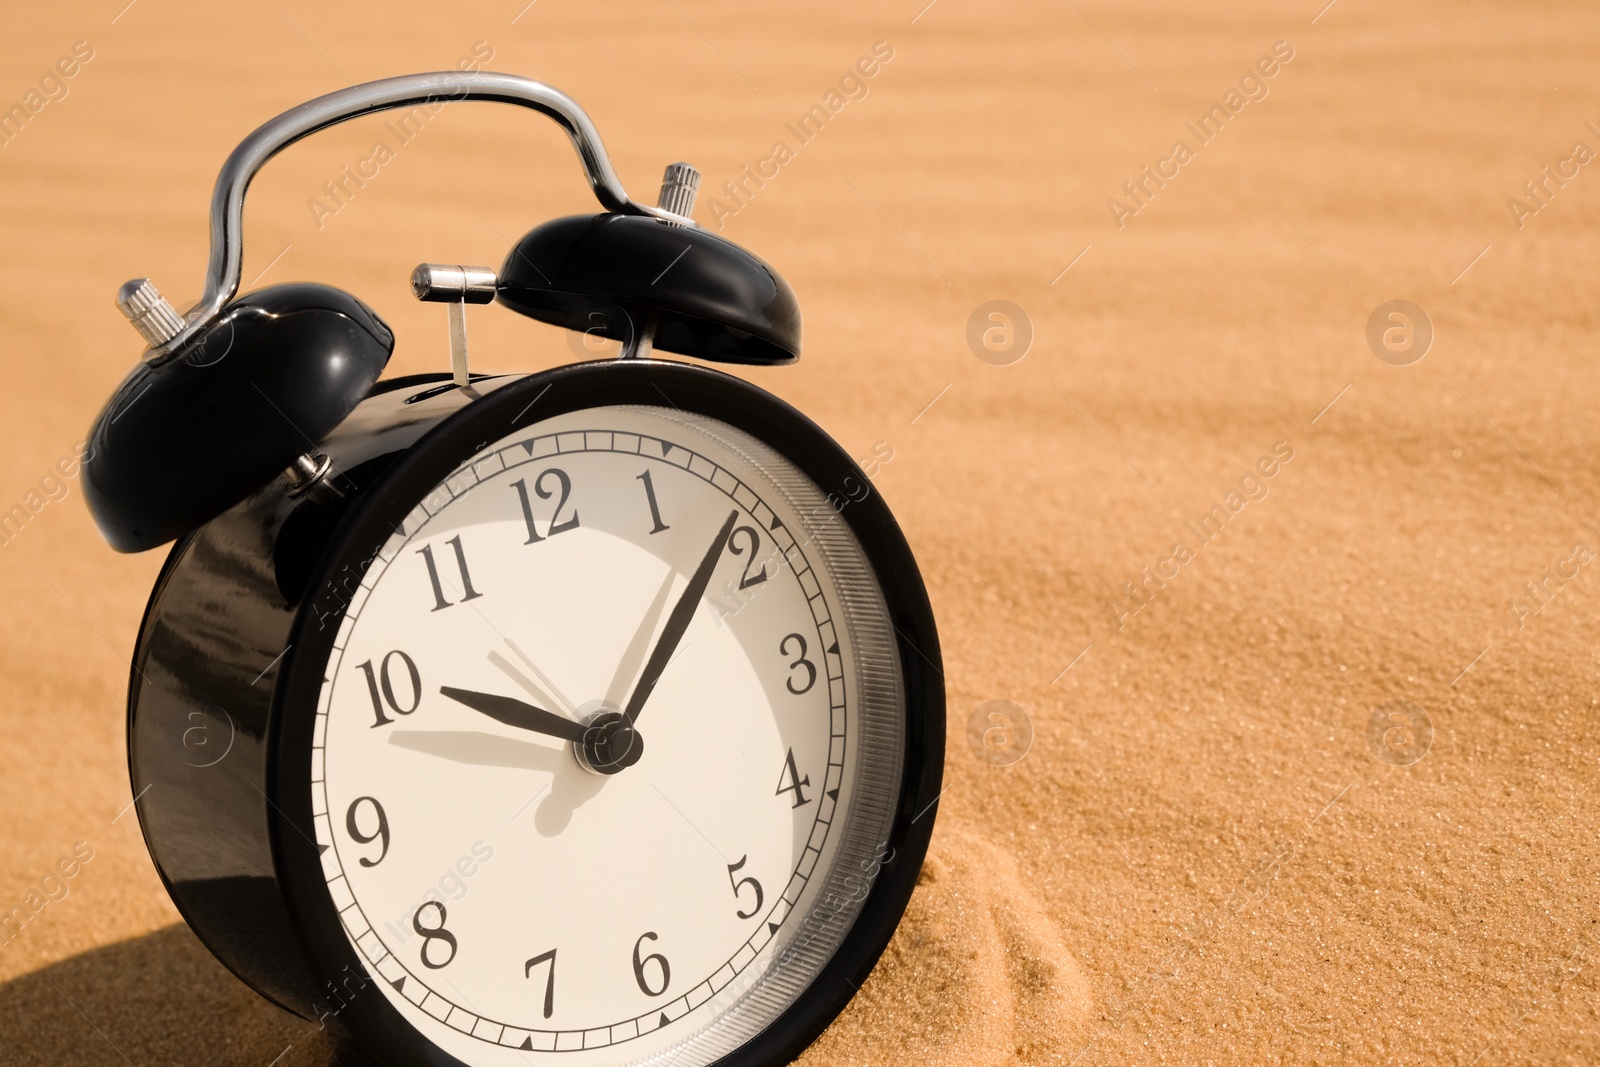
(638, 967)
(381, 680)
(430, 934)
(356, 835)
(801, 661)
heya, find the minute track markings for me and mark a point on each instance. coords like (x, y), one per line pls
(459, 483)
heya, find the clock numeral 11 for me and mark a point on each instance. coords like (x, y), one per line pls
(439, 601)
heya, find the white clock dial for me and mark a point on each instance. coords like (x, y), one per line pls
(570, 803)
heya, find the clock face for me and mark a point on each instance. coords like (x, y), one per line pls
(609, 745)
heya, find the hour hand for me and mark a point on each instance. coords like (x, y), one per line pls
(518, 713)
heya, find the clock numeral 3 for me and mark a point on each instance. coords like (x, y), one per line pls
(381, 680)
(439, 600)
(655, 509)
(795, 782)
(733, 868)
(801, 661)
(430, 934)
(638, 967)
(753, 546)
(549, 982)
(564, 484)
(354, 829)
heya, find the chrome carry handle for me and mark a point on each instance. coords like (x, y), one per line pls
(165, 330)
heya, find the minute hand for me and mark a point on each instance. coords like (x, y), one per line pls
(678, 621)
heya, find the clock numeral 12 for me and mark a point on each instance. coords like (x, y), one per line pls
(638, 967)
(655, 509)
(380, 679)
(792, 773)
(439, 601)
(549, 982)
(556, 525)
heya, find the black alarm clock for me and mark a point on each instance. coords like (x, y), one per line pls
(592, 716)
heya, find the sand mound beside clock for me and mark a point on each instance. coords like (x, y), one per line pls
(977, 974)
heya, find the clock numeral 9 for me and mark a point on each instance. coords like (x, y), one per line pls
(354, 829)
(753, 546)
(549, 982)
(430, 934)
(638, 967)
(801, 661)
(381, 680)
(556, 525)
(733, 868)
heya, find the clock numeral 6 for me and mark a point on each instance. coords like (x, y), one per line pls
(382, 680)
(550, 980)
(753, 546)
(430, 934)
(792, 773)
(354, 829)
(733, 868)
(638, 967)
(800, 661)
(564, 484)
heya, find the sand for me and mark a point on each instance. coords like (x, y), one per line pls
(1204, 857)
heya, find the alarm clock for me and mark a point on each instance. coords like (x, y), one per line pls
(592, 716)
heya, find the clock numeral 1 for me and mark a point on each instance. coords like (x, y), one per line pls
(439, 601)
(733, 868)
(380, 680)
(549, 982)
(655, 509)
(564, 484)
(800, 661)
(354, 829)
(753, 545)
(795, 781)
(638, 967)
(430, 934)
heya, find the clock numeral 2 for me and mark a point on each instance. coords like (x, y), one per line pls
(359, 838)
(753, 545)
(556, 525)
(549, 982)
(381, 680)
(439, 601)
(638, 967)
(733, 868)
(800, 661)
(430, 934)
(655, 509)
(795, 782)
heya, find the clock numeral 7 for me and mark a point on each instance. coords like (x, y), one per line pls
(638, 967)
(440, 602)
(564, 484)
(792, 773)
(733, 868)
(380, 680)
(550, 980)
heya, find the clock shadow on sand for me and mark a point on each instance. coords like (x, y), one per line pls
(566, 794)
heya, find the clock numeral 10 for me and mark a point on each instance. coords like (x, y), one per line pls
(550, 980)
(564, 484)
(354, 829)
(439, 600)
(430, 934)
(792, 773)
(638, 967)
(733, 868)
(381, 680)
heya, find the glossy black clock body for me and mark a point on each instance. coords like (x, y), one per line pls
(236, 639)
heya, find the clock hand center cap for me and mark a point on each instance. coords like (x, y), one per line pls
(610, 744)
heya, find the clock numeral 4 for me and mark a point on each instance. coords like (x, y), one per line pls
(638, 967)
(655, 509)
(550, 980)
(800, 661)
(380, 684)
(792, 773)
(753, 546)
(540, 488)
(430, 934)
(734, 868)
(354, 829)
(440, 602)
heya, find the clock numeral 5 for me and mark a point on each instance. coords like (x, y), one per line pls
(638, 967)
(792, 773)
(354, 829)
(430, 934)
(549, 982)
(439, 600)
(381, 680)
(801, 661)
(564, 484)
(753, 546)
(733, 868)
